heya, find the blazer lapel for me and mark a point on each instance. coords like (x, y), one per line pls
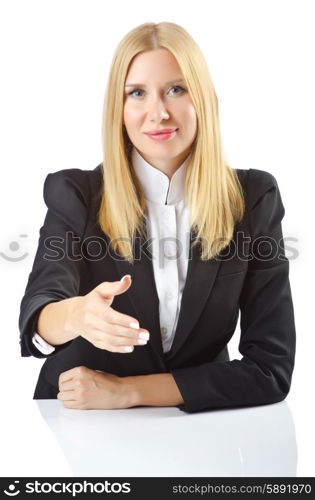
(142, 292)
(144, 297)
(200, 279)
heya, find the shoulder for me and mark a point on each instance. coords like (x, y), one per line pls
(263, 204)
(73, 182)
(72, 196)
(255, 184)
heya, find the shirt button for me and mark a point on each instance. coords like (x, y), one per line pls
(163, 330)
(169, 294)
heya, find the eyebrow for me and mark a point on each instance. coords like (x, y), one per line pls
(143, 85)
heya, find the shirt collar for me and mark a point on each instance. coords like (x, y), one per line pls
(157, 187)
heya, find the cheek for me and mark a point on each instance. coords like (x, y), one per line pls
(132, 115)
(190, 118)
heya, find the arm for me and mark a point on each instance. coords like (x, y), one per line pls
(159, 389)
(56, 271)
(86, 389)
(52, 326)
(54, 320)
(267, 342)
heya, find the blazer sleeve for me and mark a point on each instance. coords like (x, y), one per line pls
(267, 341)
(58, 262)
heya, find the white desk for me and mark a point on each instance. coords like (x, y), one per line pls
(147, 441)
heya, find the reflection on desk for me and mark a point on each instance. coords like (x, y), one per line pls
(149, 441)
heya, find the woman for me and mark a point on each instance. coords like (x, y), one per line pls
(144, 263)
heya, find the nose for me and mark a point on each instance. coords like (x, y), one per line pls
(157, 110)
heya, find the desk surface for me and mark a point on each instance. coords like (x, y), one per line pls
(148, 441)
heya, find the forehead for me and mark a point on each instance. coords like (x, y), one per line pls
(159, 63)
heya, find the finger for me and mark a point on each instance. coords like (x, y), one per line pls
(98, 327)
(117, 335)
(114, 348)
(111, 344)
(67, 375)
(116, 338)
(117, 318)
(113, 318)
(100, 331)
(122, 336)
(69, 385)
(77, 371)
(122, 330)
(66, 396)
(74, 405)
(108, 289)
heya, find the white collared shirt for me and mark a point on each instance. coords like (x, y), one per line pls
(169, 231)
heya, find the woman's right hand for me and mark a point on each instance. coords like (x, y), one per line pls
(93, 318)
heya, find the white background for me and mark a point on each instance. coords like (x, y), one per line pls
(55, 57)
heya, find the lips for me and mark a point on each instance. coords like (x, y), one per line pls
(161, 132)
(161, 135)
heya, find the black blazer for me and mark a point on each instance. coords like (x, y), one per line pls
(250, 276)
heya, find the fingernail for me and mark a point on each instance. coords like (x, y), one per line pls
(129, 349)
(125, 277)
(142, 342)
(144, 335)
(133, 324)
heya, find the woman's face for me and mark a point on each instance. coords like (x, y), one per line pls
(156, 98)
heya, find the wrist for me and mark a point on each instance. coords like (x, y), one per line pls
(158, 389)
(71, 313)
(131, 391)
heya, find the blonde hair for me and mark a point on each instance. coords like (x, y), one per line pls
(213, 192)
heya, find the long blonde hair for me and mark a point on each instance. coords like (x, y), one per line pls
(213, 192)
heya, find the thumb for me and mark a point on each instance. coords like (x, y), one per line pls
(108, 289)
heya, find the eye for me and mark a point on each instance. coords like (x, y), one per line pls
(176, 90)
(133, 92)
(178, 87)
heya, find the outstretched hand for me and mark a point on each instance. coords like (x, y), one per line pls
(93, 318)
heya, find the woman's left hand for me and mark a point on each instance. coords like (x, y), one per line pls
(85, 389)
